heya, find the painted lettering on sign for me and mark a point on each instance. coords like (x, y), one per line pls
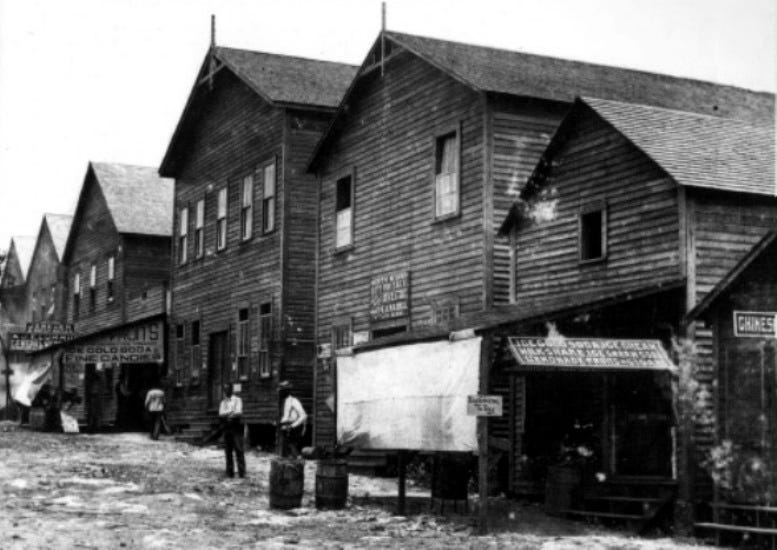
(138, 344)
(484, 405)
(389, 295)
(38, 336)
(754, 324)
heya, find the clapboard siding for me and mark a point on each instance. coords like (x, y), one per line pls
(521, 131)
(43, 287)
(642, 230)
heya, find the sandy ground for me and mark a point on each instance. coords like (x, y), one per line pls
(125, 491)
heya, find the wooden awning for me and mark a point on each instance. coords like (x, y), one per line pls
(588, 354)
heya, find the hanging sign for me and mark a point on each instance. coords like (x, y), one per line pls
(38, 336)
(754, 324)
(142, 343)
(389, 295)
(484, 405)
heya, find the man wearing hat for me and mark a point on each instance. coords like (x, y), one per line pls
(231, 416)
(293, 420)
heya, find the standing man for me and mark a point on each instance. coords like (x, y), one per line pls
(292, 422)
(155, 404)
(231, 416)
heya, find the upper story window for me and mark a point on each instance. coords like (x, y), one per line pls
(221, 219)
(247, 207)
(183, 234)
(342, 334)
(268, 198)
(76, 295)
(344, 212)
(592, 226)
(446, 175)
(92, 286)
(111, 278)
(265, 336)
(199, 229)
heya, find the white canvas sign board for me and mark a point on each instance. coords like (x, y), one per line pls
(410, 397)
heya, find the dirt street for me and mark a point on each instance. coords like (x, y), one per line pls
(125, 491)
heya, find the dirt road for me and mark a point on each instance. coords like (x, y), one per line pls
(125, 491)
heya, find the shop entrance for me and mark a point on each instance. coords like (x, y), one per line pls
(130, 390)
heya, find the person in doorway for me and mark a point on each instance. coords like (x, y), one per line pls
(231, 417)
(155, 405)
(292, 422)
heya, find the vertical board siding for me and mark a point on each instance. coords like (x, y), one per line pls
(388, 140)
(642, 223)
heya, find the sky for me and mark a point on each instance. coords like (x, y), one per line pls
(106, 80)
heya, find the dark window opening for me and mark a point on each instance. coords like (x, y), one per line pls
(592, 244)
(383, 332)
(344, 212)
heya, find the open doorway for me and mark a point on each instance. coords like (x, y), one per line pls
(133, 383)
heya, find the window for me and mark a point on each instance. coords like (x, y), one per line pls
(221, 220)
(76, 295)
(183, 235)
(247, 207)
(196, 350)
(111, 277)
(445, 310)
(344, 212)
(199, 229)
(243, 339)
(446, 176)
(179, 363)
(342, 335)
(265, 336)
(92, 286)
(268, 198)
(593, 233)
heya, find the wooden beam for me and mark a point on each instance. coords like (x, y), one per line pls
(379, 65)
(485, 367)
(212, 72)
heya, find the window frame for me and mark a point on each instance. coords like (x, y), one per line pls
(339, 326)
(76, 295)
(440, 134)
(269, 204)
(265, 328)
(111, 277)
(243, 342)
(92, 287)
(350, 174)
(585, 210)
(183, 234)
(199, 229)
(247, 210)
(221, 231)
(196, 349)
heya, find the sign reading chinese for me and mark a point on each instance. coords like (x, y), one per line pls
(142, 343)
(389, 294)
(589, 353)
(754, 324)
(484, 405)
(38, 336)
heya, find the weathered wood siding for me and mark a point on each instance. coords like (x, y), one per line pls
(521, 130)
(597, 164)
(387, 140)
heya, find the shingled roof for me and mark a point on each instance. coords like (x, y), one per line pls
(59, 228)
(516, 73)
(139, 200)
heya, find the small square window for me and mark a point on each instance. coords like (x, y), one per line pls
(593, 234)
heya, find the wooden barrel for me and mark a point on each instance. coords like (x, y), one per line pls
(331, 484)
(287, 480)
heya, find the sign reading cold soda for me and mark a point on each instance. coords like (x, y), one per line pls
(142, 343)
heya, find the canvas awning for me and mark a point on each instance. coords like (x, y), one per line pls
(588, 354)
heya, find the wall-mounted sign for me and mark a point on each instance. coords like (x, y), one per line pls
(589, 353)
(754, 324)
(38, 336)
(484, 405)
(389, 295)
(142, 343)
(361, 337)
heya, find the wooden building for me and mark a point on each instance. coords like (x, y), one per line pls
(243, 270)
(116, 266)
(630, 217)
(45, 284)
(14, 276)
(429, 149)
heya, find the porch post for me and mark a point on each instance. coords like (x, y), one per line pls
(485, 367)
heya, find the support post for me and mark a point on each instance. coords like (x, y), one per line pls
(401, 483)
(485, 364)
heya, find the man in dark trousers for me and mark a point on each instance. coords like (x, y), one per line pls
(155, 403)
(292, 422)
(231, 417)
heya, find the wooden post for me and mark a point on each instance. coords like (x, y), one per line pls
(401, 482)
(485, 359)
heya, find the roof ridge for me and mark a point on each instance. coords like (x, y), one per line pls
(581, 62)
(287, 56)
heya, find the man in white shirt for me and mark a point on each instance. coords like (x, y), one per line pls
(231, 416)
(293, 420)
(155, 405)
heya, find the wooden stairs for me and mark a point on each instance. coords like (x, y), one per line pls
(192, 427)
(638, 503)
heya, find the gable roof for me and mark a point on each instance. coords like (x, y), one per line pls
(59, 229)
(280, 80)
(767, 245)
(23, 247)
(501, 71)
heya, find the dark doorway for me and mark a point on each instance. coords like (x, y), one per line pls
(131, 387)
(93, 390)
(218, 364)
